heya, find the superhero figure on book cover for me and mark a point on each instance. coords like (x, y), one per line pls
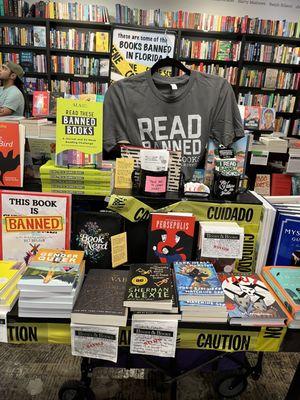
(170, 253)
(199, 276)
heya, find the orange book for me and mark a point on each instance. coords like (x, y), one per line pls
(41, 103)
(284, 281)
(12, 143)
(52, 257)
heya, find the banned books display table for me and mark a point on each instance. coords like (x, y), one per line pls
(224, 342)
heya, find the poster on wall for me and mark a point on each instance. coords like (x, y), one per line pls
(134, 52)
(31, 221)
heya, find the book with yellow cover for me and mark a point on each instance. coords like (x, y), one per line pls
(102, 42)
(11, 301)
(9, 272)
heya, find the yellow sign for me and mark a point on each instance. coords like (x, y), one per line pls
(33, 223)
(124, 170)
(266, 339)
(139, 280)
(119, 249)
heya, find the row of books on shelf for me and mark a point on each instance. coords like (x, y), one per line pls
(85, 66)
(74, 39)
(278, 102)
(211, 49)
(205, 22)
(72, 11)
(272, 53)
(33, 84)
(229, 73)
(77, 88)
(23, 36)
(29, 61)
(269, 78)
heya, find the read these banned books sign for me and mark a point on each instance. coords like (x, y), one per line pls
(133, 52)
(31, 221)
(79, 129)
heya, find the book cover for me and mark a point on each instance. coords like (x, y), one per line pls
(9, 271)
(12, 148)
(27, 61)
(271, 75)
(92, 232)
(32, 220)
(248, 298)
(53, 102)
(267, 120)
(39, 36)
(102, 293)
(285, 244)
(102, 44)
(224, 51)
(79, 133)
(285, 283)
(197, 279)
(170, 238)
(55, 278)
(262, 184)
(252, 117)
(52, 257)
(281, 184)
(149, 283)
(41, 102)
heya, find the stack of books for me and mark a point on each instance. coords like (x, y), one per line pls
(10, 273)
(250, 302)
(274, 144)
(88, 181)
(284, 281)
(151, 293)
(51, 283)
(100, 301)
(200, 294)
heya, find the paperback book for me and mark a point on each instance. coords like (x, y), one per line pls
(170, 237)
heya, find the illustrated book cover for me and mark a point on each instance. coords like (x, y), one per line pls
(170, 237)
(249, 301)
(12, 150)
(197, 281)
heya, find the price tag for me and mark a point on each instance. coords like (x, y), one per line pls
(259, 158)
(3, 328)
(99, 342)
(156, 338)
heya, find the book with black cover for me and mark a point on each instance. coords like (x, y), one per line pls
(100, 301)
(149, 286)
(92, 232)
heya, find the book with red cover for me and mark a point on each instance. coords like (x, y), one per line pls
(41, 103)
(12, 147)
(281, 185)
(170, 237)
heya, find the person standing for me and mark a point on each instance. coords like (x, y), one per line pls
(12, 100)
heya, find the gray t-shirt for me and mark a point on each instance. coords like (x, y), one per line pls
(13, 99)
(178, 113)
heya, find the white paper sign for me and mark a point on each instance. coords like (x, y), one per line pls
(155, 338)
(259, 157)
(293, 165)
(3, 328)
(99, 342)
(154, 160)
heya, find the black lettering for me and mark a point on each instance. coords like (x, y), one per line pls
(200, 340)
(236, 342)
(23, 334)
(210, 213)
(216, 341)
(273, 332)
(32, 330)
(245, 342)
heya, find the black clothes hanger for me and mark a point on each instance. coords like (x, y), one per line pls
(169, 62)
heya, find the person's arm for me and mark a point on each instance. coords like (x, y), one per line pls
(5, 111)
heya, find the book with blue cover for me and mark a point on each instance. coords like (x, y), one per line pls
(285, 244)
(197, 281)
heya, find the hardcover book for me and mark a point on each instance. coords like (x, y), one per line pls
(170, 237)
(284, 281)
(252, 117)
(41, 103)
(39, 36)
(149, 286)
(32, 220)
(267, 119)
(197, 281)
(285, 246)
(100, 301)
(12, 149)
(249, 302)
(270, 78)
(92, 232)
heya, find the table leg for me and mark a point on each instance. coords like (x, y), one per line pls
(294, 389)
